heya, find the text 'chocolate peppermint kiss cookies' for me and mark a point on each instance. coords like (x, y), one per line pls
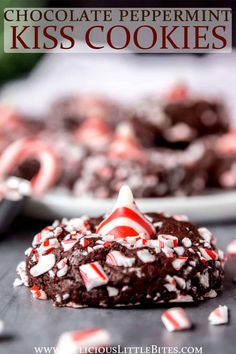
(123, 259)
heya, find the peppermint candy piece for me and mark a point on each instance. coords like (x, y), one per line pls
(205, 234)
(48, 246)
(208, 254)
(117, 258)
(175, 319)
(38, 293)
(25, 148)
(167, 241)
(79, 224)
(45, 263)
(80, 341)
(219, 316)
(63, 267)
(179, 262)
(93, 275)
(68, 244)
(126, 219)
(231, 248)
(145, 256)
(125, 145)
(21, 271)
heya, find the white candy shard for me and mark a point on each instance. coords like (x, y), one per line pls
(179, 262)
(80, 341)
(45, 263)
(112, 291)
(175, 319)
(17, 282)
(145, 256)
(205, 234)
(21, 271)
(219, 316)
(187, 242)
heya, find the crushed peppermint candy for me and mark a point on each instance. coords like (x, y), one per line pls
(45, 263)
(187, 242)
(179, 262)
(175, 319)
(167, 241)
(145, 256)
(81, 341)
(219, 316)
(38, 293)
(205, 234)
(208, 254)
(63, 268)
(117, 258)
(93, 275)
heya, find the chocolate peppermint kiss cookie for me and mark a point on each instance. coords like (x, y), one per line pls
(125, 258)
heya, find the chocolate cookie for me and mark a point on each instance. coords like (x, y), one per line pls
(123, 259)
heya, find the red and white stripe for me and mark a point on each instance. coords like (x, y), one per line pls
(219, 316)
(93, 275)
(23, 149)
(126, 219)
(38, 238)
(167, 241)
(208, 254)
(117, 258)
(80, 341)
(45, 263)
(48, 246)
(175, 319)
(179, 262)
(231, 249)
(38, 293)
(145, 256)
(63, 267)
(84, 242)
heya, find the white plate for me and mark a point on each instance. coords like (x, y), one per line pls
(206, 208)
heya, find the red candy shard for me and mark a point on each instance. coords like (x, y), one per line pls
(126, 219)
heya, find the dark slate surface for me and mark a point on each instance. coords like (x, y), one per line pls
(30, 323)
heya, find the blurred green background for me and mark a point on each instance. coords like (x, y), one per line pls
(14, 65)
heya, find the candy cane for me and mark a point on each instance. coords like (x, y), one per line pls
(23, 149)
